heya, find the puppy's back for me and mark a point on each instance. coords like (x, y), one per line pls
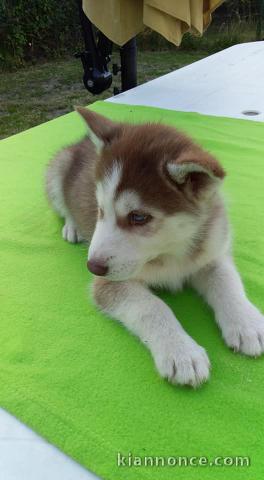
(70, 185)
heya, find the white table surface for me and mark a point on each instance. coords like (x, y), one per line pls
(224, 84)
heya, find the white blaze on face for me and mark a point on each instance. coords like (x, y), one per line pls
(111, 244)
(127, 202)
(106, 190)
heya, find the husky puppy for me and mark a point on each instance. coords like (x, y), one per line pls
(147, 199)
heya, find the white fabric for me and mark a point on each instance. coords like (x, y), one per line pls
(26, 456)
(225, 84)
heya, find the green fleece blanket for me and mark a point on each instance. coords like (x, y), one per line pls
(80, 379)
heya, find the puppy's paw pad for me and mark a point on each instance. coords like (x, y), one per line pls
(184, 364)
(247, 336)
(70, 234)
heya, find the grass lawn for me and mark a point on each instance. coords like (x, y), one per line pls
(39, 93)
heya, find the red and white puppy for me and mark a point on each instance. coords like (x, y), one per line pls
(148, 201)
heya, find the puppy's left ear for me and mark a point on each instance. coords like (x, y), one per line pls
(102, 130)
(195, 168)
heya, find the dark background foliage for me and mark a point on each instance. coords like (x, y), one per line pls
(40, 79)
(30, 29)
(34, 29)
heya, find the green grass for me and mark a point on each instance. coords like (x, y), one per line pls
(35, 94)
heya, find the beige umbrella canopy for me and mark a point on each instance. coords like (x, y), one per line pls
(120, 20)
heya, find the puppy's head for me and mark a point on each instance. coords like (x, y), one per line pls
(152, 186)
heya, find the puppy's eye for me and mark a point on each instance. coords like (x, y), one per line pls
(138, 218)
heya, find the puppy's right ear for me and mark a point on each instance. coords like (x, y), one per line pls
(102, 130)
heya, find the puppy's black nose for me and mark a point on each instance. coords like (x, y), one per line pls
(97, 268)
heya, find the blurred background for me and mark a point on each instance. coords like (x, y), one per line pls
(40, 78)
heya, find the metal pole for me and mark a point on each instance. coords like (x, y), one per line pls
(128, 55)
(260, 6)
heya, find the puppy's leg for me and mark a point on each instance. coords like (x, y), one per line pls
(241, 322)
(70, 232)
(177, 356)
(55, 174)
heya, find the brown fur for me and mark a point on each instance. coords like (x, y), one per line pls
(77, 165)
(199, 247)
(143, 151)
(104, 291)
(79, 187)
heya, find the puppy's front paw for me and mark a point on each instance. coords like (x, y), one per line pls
(246, 334)
(183, 362)
(70, 234)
